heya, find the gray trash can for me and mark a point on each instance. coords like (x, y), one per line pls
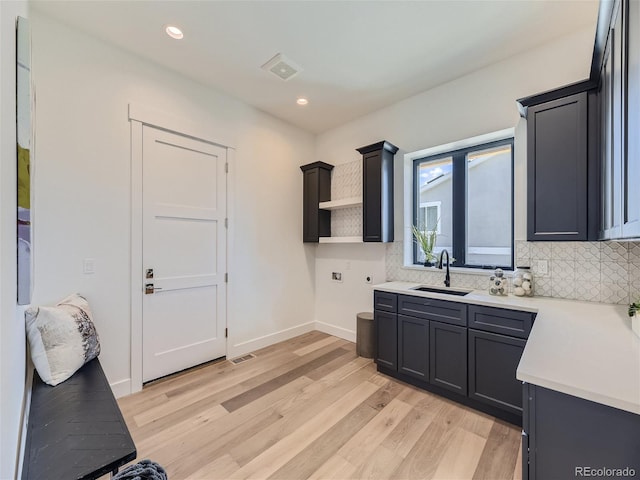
(364, 335)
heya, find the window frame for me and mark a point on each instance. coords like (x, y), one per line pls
(459, 197)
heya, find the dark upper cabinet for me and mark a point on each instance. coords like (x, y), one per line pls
(612, 165)
(448, 357)
(316, 188)
(377, 191)
(611, 130)
(557, 167)
(631, 162)
(620, 124)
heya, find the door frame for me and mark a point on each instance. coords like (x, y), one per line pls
(139, 116)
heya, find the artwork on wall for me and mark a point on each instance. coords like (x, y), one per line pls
(23, 129)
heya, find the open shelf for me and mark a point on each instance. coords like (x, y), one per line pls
(342, 203)
(340, 240)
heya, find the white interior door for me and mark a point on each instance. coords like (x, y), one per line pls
(184, 245)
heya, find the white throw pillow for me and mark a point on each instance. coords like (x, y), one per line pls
(61, 338)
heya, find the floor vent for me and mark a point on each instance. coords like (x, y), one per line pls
(244, 358)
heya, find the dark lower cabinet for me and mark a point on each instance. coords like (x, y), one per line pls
(427, 342)
(413, 347)
(493, 360)
(386, 325)
(448, 356)
(569, 437)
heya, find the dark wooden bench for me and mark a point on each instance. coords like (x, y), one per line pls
(75, 429)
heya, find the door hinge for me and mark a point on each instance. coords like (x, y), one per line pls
(226, 278)
(226, 167)
(226, 223)
(226, 333)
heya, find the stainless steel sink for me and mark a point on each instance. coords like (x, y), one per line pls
(446, 291)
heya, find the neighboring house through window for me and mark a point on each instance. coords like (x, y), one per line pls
(429, 216)
(464, 191)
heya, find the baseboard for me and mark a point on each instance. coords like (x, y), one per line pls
(336, 331)
(254, 344)
(121, 388)
(26, 410)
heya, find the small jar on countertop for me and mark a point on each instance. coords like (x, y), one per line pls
(523, 282)
(498, 283)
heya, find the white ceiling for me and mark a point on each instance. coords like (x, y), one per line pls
(357, 56)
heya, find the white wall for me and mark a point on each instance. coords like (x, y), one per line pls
(12, 338)
(337, 304)
(478, 103)
(82, 191)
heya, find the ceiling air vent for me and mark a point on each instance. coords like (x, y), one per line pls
(282, 67)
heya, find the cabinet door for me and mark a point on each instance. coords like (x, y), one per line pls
(316, 188)
(448, 357)
(557, 169)
(631, 160)
(413, 347)
(377, 191)
(606, 151)
(386, 325)
(372, 197)
(612, 118)
(569, 432)
(493, 360)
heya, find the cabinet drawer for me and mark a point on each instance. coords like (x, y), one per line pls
(500, 320)
(432, 309)
(385, 302)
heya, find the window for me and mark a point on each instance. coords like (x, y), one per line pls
(466, 196)
(429, 216)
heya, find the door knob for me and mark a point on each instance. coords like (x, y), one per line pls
(150, 289)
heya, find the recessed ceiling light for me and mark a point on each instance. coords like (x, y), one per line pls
(302, 101)
(173, 32)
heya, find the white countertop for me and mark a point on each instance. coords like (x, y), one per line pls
(582, 349)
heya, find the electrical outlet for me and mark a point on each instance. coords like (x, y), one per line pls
(368, 279)
(336, 276)
(88, 266)
(542, 267)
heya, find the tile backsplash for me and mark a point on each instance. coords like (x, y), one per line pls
(607, 272)
(346, 182)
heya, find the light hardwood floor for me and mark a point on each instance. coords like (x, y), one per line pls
(310, 408)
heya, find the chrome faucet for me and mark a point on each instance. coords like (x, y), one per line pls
(447, 278)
